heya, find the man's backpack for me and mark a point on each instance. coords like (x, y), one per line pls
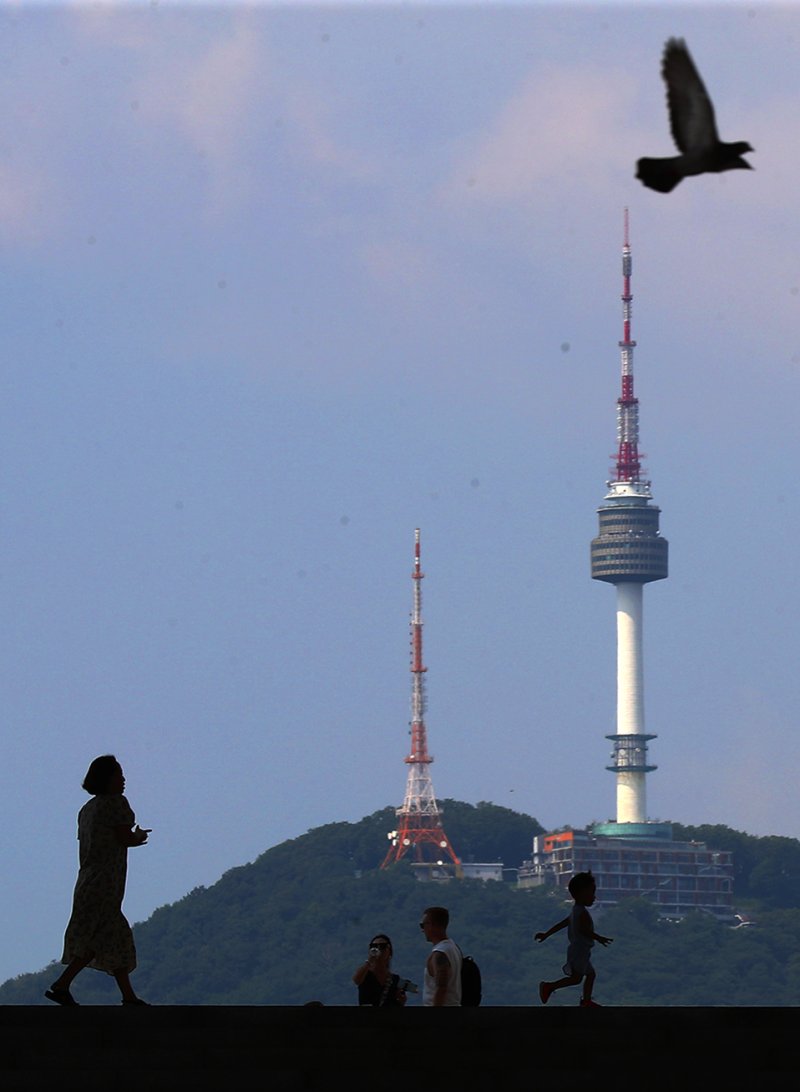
(471, 990)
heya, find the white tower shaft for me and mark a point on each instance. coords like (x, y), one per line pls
(631, 792)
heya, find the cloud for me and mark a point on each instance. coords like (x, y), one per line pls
(121, 87)
(206, 98)
(245, 113)
(560, 128)
(311, 123)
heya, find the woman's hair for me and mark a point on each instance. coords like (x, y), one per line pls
(100, 772)
(382, 936)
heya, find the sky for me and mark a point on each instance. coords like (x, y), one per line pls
(282, 283)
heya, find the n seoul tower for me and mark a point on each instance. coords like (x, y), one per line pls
(629, 552)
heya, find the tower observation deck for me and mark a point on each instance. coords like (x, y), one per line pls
(629, 552)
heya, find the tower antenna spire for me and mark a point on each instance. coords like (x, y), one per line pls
(629, 552)
(420, 833)
(628, 465)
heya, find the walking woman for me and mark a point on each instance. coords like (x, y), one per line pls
(98, 934)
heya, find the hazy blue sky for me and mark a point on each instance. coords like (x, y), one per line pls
(281, 283)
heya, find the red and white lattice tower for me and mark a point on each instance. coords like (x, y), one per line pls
(420, 834)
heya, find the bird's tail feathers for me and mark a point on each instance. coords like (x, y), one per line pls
(662, 175)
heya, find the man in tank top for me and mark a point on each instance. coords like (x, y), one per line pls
(442, 980)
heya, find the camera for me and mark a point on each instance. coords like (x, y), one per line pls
(407, 986)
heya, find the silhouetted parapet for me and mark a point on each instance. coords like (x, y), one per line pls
(393, 1050)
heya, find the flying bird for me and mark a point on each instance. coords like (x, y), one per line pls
(693, 128)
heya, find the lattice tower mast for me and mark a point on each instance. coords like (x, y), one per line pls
(630, 552)
(420, 832)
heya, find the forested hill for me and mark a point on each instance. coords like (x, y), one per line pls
(292, 926)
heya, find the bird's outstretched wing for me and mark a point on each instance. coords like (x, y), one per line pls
(691, 112)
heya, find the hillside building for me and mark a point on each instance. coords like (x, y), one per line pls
(636, 860)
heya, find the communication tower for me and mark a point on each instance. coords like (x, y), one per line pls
(632, 856)
(629, 552)
(420, 833)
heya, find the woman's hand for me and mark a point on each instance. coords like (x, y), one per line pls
(140, 834)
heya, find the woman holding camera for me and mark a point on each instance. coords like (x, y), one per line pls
(378, 986)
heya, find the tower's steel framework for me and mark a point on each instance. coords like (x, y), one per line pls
(420, 833)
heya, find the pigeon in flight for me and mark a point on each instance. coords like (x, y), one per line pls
(693, 128)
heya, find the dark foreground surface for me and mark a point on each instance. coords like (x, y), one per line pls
(311, 1047)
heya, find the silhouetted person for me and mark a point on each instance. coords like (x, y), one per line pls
(98, 934)
(580, 939)
(442, 981)
(377, 983)
(693, 128)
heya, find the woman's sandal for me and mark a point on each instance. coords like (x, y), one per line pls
(135, 1001)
